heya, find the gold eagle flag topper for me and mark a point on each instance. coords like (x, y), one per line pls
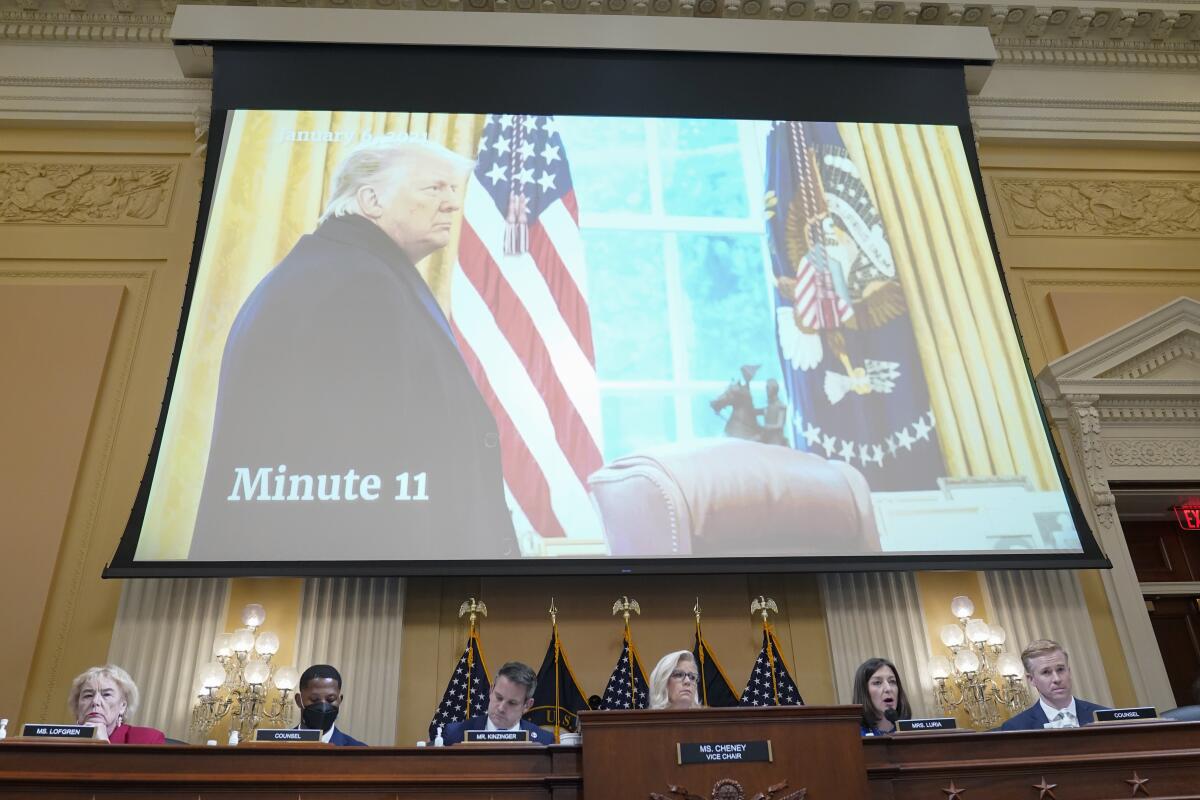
(474, 608)
(624, 606)
(763, 605)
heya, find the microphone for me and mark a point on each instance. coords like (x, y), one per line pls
(891, 715)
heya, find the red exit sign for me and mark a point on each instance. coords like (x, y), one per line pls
(1188, 516)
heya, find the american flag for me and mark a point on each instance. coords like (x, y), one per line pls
(627, 686)
(519, 310)
(770, 683)
(467, 692)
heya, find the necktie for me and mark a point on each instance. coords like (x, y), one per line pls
(1063, 719)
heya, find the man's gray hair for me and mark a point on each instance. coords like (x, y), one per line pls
(521, 674)
(367, 162)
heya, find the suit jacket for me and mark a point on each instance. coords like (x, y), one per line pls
(132, 734)
(341, 359)
(340, 739)
(1034, 719)
(453, 733)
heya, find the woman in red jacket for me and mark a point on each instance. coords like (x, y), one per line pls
(105, 697)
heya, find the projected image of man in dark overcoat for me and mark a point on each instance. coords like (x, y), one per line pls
(347, 423)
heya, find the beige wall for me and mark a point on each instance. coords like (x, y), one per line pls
(1113, 234)
(88, 437)
(101, 219)
(69, 327)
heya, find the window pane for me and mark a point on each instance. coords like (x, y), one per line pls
(607, 156)
(627, 295)
(728, 306)
(633, 422)
(702, 168)
(707, 423)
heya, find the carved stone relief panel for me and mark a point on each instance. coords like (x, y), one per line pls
(86, 194)
(1153, 452)
(1142, 209)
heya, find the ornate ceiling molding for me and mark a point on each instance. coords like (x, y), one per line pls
(78, 193)
(1068, 34)
(1141, 209)
(1185, 346)
(1153, 452)
(1150, 409)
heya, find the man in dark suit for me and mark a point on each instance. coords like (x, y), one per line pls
(1048, 672)
(348, 425)
(511, 697)
(319, 696)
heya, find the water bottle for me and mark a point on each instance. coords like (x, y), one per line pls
(233, 738)
(3, 729)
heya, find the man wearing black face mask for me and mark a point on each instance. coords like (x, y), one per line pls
(319, 695)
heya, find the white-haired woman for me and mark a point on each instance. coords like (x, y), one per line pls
(675, 682)
(105, 698)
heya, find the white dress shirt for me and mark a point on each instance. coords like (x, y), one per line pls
(492, 727)
(1060, 718)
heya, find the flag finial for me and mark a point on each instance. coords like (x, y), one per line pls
(553, 612)
(474, 608)
(624, 606)
(696, 610)
(763, 605)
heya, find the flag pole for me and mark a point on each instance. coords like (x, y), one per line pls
(764, 605)
(624, 606)
(557, 680)
(700, 654)
(474, 608)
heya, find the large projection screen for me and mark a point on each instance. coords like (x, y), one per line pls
(550, 312)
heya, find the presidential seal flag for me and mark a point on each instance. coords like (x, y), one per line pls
(558, 698)
(467, 692)
(770, 683)
(519, 310)
(627, 686)
(853, 375)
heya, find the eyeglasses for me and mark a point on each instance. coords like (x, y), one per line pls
(680, 675)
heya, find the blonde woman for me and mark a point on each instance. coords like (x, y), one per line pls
(106, 698)
(675, 682)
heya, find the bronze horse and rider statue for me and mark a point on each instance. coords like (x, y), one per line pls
(743, 420)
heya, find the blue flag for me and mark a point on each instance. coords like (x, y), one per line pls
(715, 689)
(558, 698)
(848, 355)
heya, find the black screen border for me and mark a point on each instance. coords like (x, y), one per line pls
(274, 76)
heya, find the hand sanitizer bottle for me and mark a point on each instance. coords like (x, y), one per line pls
(233, 738)
(437, 740)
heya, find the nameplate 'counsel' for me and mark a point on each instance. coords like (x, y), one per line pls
(286, 735)
(1126, 714)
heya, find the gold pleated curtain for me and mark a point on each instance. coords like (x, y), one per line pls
(987, 421)
(270, 192)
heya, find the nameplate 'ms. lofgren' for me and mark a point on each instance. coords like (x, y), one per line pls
(42, 730)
